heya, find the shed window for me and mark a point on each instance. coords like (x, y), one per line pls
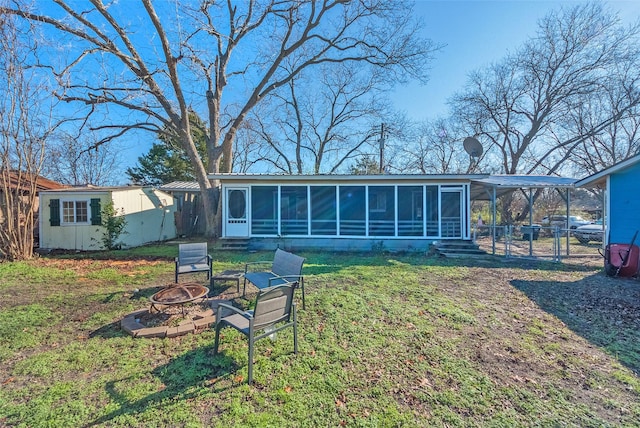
(75, 212)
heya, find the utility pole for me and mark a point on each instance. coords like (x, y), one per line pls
(381, 141)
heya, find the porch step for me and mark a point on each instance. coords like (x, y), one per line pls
(457, 248)
(235, 244)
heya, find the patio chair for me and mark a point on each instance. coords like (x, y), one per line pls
(285, 267)
(274, 305)
(193, 258)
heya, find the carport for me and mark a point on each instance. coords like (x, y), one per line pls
(494, 186)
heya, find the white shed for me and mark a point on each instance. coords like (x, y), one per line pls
(70, 219)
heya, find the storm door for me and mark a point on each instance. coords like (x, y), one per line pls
(236, 223)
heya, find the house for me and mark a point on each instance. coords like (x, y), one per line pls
(71, 218)
(621, 204)
(21, 185)
(345, 212)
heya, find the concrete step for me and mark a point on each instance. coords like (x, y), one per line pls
(236, 244)
(458, 248)
(481, 254)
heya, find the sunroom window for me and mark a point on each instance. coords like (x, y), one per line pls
(323, 210)
(264, 210)
(410, 211)
(352, 211)
(432, 212)
(381, 211)
(293, 210)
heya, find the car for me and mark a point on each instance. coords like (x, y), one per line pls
(590, 232)
(576, 221)
(560, 221)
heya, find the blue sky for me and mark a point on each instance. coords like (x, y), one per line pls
(476, 33)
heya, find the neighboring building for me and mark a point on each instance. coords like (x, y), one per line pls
(622, 205)
(22, 184)
(71, 218)
(345, 212)
(189, 215)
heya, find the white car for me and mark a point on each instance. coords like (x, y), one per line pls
(575, 221)
(590, 232)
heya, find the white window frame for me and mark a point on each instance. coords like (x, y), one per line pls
(75, 212)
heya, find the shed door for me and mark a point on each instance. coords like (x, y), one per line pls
(236, 223)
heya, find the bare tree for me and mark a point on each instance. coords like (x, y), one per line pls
(81, 162)
(523, 105)
(323, 119)
(437, 149)
(149, 65)
(616, 142)
(24, 128)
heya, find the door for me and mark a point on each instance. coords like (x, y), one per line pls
(236, 222)
(451, 213)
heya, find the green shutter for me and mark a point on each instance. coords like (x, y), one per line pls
(54, 212)
(96, 218)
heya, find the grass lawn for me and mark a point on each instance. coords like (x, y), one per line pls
(385, 340)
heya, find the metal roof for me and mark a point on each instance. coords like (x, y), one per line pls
(526, 181)
(506, 183)
(345, 177)
(181, 186)
(482, 185)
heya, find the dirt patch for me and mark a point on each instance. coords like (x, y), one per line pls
(523, 332)
(83, 266)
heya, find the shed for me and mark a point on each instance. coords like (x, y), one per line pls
(71, 218)
(345, 212)
(621, 205)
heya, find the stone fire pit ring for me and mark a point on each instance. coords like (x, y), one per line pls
(197, 322)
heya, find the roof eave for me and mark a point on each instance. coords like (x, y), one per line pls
(349, 177)
(600, 177)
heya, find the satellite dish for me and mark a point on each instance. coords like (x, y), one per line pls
(473, 147)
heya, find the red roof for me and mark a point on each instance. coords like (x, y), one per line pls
(23, 180)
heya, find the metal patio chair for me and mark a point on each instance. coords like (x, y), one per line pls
(274, 310)
(193, 258)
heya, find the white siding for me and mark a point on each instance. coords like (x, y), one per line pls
(149, 214)
(83, 237)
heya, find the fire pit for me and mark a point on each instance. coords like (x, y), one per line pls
(178, 294)
(163, 318)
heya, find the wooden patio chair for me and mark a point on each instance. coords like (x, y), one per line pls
(274, 310)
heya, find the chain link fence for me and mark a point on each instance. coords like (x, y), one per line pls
(553, 243)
